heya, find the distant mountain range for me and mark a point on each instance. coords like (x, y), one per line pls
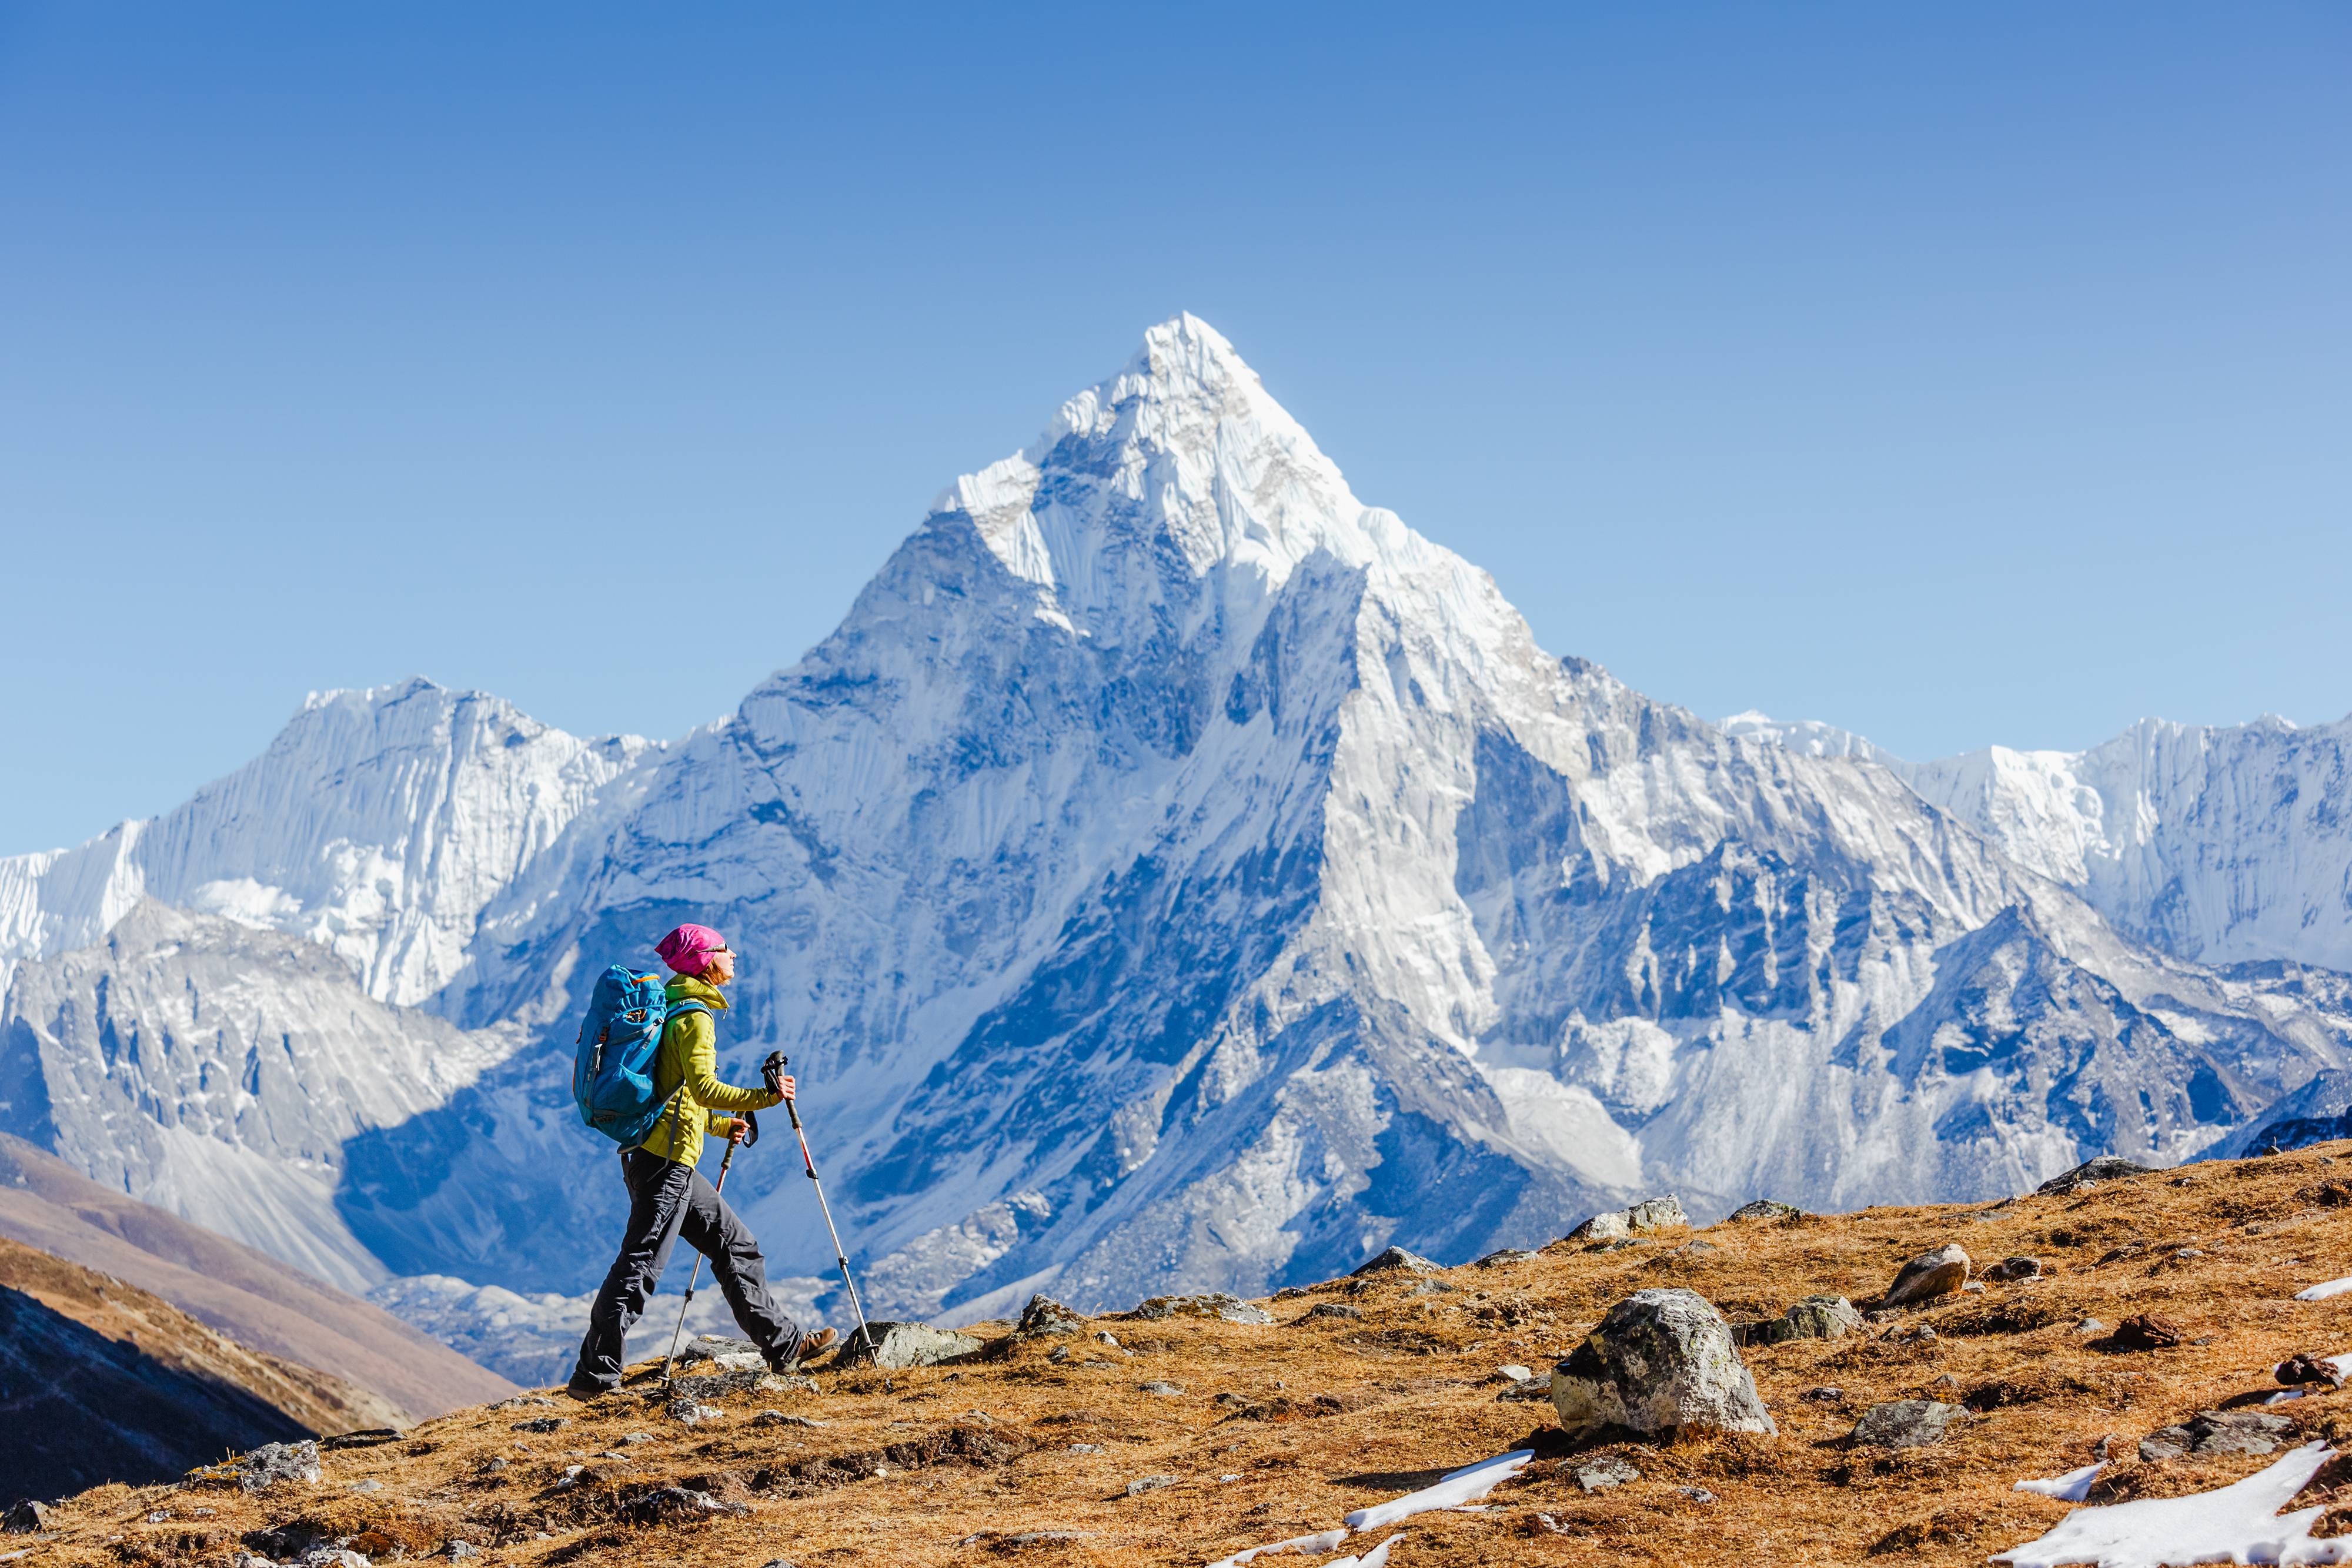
(1172, 872)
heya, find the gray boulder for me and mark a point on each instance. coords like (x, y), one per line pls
(2091, 1172)
(1815, 1317)
(1931, 1274)
(1650, 1214)
(1766, 1208)
(1904, 1424)
(1214, 1304)
(899, 1344)
(2219, 1432)
(1044, 1315)
(1506, 1257)
(27, 1517)
(1604, 1472)
(1392, 1259)
(1663, 1360)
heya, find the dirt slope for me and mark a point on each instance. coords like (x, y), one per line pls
(1283, 1428)
(254, 1299)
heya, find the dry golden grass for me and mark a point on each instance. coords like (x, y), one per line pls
(946, 1466)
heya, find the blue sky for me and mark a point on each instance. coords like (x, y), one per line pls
(1957, 374)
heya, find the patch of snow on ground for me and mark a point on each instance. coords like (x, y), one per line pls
(1467, 1484)
(2072, 1487)
(1378, 1557)
(2322, 1292)
(2236, 1523)
(1327, 1540)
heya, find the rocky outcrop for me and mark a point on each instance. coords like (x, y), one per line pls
(1928, 1276)
(897, 1344)
(1904, 1424)
(2090, 1172)
(1649, 1215)
(1214, 1304)
(1663, 1361)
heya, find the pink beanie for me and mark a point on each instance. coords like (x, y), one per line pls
(688, 949)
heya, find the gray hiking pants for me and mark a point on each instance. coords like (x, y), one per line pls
(667, 1200)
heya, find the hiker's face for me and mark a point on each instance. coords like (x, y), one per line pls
(721, 970)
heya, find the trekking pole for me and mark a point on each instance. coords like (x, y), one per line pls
(776, 1066)
(695, 1278)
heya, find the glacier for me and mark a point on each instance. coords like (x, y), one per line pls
(1172, 872)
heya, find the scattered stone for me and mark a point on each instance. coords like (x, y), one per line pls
(1215, 1304)
(371, 1484)
(1824, 1394)
(1650, 1214)
(542, 1424)
(637, 1436)
(1815, 1317)
(1766, 1208)
(2090, 1326)
(25, 1518)
(264, 1468)
(1085, 1447)
(1059, 1355)
(1918, 1333)
(2011, 1269)
(1164, 1389)
(2147, 1331)
(1532, 1389)
(675, 1504)
(2304, 1367)
(1513, 1372)
(1607, 1471)
(1332, 1310)
(690, 1412)
(459, 1549)
(525, 1401)
(1044, 1315)
(1931, 1274)
(1903, 1424)
(2219, 1432)
(1662, 1361)
(1505, 1256)
(1104, 1336)
(779, 1419)
(904, 1344)
(1148, 1483)
(1430, 1287)
(1391, 1260)
(2091, 1172)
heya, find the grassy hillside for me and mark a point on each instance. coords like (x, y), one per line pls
(1274, 1431)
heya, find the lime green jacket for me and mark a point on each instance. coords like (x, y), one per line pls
(685, 1076)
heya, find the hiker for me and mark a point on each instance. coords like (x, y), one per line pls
(669, 1198)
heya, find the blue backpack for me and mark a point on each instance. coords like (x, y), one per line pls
(612, 1063)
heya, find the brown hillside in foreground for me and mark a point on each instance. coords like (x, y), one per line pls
(1313, 1416)
(257, 1300)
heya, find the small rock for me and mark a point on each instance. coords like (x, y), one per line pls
(2010, 1270)
(1530, 1389)
(1148, 1483)
(1104, 1336)
(2147, 1331)
(637, 1436)
(371, 1484)
(1974, 1287)
(1215, 1304)
(1044, 1315)
(1661, 1361)
(2090, 1173)
(1824, 1394)
(1651, 1214)
(1815, 1317)
(1059, 1354)
(1333, 1310)
(2219, 1432)
(543, 1424)
(1917, 1334)
(1505, 1256)
(1085, 1447)
(26, 1517)
(459, 1549)
(1903, 1424)
(2304, 1367)
(779, 1419)
(1513, 1372)
(161, 1516)
(1391, 1260)
(1931, 1274)
(1430, 1287)
(525, 1401)
(2090, 1326)
(1164, 1389)
(1697, 1494)
(1766, 1208)
(902, 1345)
(688, 1412)
(1605, 1472)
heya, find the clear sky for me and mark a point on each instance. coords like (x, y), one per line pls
(1958, 374)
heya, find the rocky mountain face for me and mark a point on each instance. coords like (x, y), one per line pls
(1172, 872)
(2221, 844)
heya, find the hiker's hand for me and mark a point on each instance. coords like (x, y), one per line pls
(783, 1085)
(735, 1129)
(772, 1073)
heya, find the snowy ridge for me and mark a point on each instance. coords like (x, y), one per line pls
(1172, 872)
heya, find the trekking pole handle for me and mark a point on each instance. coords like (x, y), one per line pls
(772, 1070)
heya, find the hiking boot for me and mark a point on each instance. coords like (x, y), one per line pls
(585, 1392)
(809, 1347)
